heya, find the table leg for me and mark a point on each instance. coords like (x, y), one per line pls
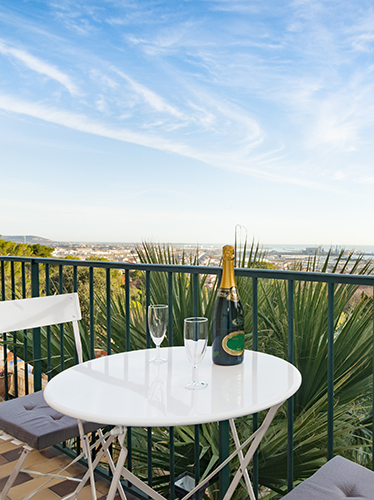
(119, 467)
(105, 442)
(141, 485)
(241, 459)
(244, 461)
(121, 471)
(110, 461)
(258, 435)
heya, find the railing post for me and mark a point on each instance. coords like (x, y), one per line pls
(330, 371)
(149, 429)
(127, 308)
(290, 403)
(2, 280)
(170, 307)
(372, 461)
(108, 313)
(197, 456)
(4, 334)
(49, 347)
(147, 303)
(195, 296)
(61, 327)
(171, 429)
(15, 355)
(224, 451)
(34, 278)
(36, 337)
(25, 350)
(255, 348)
(92, 313)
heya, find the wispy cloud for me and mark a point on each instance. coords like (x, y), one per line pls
(39, 66)
(77, 17)
(360, 34)
(103, 79)
(252, 92)
(365, 180)
(239, 6)
(154, 100)
(84, 124)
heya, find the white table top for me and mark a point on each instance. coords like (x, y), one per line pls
(125, 389)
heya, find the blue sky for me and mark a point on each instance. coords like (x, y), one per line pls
(175, 121)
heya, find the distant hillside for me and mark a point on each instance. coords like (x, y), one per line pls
(30, 240)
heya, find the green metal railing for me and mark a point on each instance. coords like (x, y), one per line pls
(35, 270)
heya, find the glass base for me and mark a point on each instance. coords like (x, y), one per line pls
(157, 361)
(196, 386)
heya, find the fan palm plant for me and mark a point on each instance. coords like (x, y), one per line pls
(182, 301)
(352, 372)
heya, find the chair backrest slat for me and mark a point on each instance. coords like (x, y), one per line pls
(39, 311)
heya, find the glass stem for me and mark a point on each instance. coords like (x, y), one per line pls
(194, 374)
(157, 351)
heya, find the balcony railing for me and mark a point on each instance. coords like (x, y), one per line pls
(32, 277)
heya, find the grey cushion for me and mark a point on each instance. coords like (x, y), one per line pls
(31, 420)
(338, 478)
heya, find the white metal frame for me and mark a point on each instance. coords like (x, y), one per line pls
(254, 439)
(36, 312)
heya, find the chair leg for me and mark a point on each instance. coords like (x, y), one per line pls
(104, 441)
(26, 450)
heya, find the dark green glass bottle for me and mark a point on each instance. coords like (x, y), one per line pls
(228, 320)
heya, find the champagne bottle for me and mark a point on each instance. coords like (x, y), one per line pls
(228, 321)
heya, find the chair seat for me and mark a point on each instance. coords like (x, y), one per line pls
(339, 478)
(31, 420)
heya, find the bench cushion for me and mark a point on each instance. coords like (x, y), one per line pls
(338, 478)
(31, 420)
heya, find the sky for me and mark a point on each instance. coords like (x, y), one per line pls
(180, 120)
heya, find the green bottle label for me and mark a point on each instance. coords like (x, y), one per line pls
(233, 343)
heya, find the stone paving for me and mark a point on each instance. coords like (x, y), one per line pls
(49, 460)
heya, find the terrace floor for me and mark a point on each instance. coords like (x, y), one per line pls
(48, 460)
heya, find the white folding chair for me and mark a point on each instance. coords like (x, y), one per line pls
(30, 419)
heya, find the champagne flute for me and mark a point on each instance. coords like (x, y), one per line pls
(157, 321)
(195, 342)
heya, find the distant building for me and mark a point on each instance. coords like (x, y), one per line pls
(314, 250)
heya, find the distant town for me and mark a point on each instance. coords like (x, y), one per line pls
(282, 257)
(209, 255)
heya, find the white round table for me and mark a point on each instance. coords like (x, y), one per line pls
(126, 390)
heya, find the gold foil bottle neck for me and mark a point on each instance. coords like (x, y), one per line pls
(228, 278)
(228, 252)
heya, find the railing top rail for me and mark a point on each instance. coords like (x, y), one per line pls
(349, 279)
